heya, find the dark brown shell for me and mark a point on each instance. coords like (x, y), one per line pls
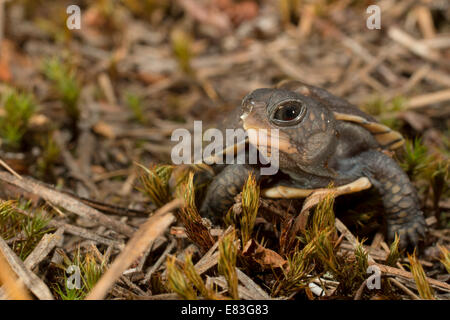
(344, 111)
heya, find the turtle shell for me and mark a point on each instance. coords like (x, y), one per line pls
(344, 111)
(386, 137)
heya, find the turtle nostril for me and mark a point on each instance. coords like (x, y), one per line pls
(247, 107)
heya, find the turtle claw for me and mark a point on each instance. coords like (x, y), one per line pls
(410, 232)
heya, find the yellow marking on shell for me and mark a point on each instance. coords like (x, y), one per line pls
(385, 139)
(396, 198)
(384, 135)
(294, 193)
(397, 145)
(312, 116)
(376, 128)
(349, 117)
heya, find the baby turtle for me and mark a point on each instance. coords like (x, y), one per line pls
(322, 140)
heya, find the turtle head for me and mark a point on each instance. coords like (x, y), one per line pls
(306, 127)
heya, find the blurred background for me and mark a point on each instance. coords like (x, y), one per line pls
(80, 106)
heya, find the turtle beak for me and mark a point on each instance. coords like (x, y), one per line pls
(254, 121)
(251, 111)
(253, 115)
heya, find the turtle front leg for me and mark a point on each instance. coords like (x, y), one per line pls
(222, 190)
(399, 197)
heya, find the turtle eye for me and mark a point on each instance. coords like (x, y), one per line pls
(288, 113)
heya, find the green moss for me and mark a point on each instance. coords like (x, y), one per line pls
(134, 102)
(145, 8)
(155, 183)
(65, 83)
(48, 158)
(86, 267)
(394, 254)
(23, 231)
(296, 274)
(177, 280)
(424, 288)
(182, 49)
(378, 106)
(227, 263)
(415, 158)
(18, 110)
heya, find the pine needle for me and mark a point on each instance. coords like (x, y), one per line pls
(295, 274)
(361, 256)
(227, 263)
(193, 276)
(423, 286)
(250, 204)
(196, 230)
(445, 257)
(156, 183)
(394, 254)
(178, 282)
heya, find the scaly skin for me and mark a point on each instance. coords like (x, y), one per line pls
(403, 214)
(322, 139)
(399, 197)
(222, 190)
